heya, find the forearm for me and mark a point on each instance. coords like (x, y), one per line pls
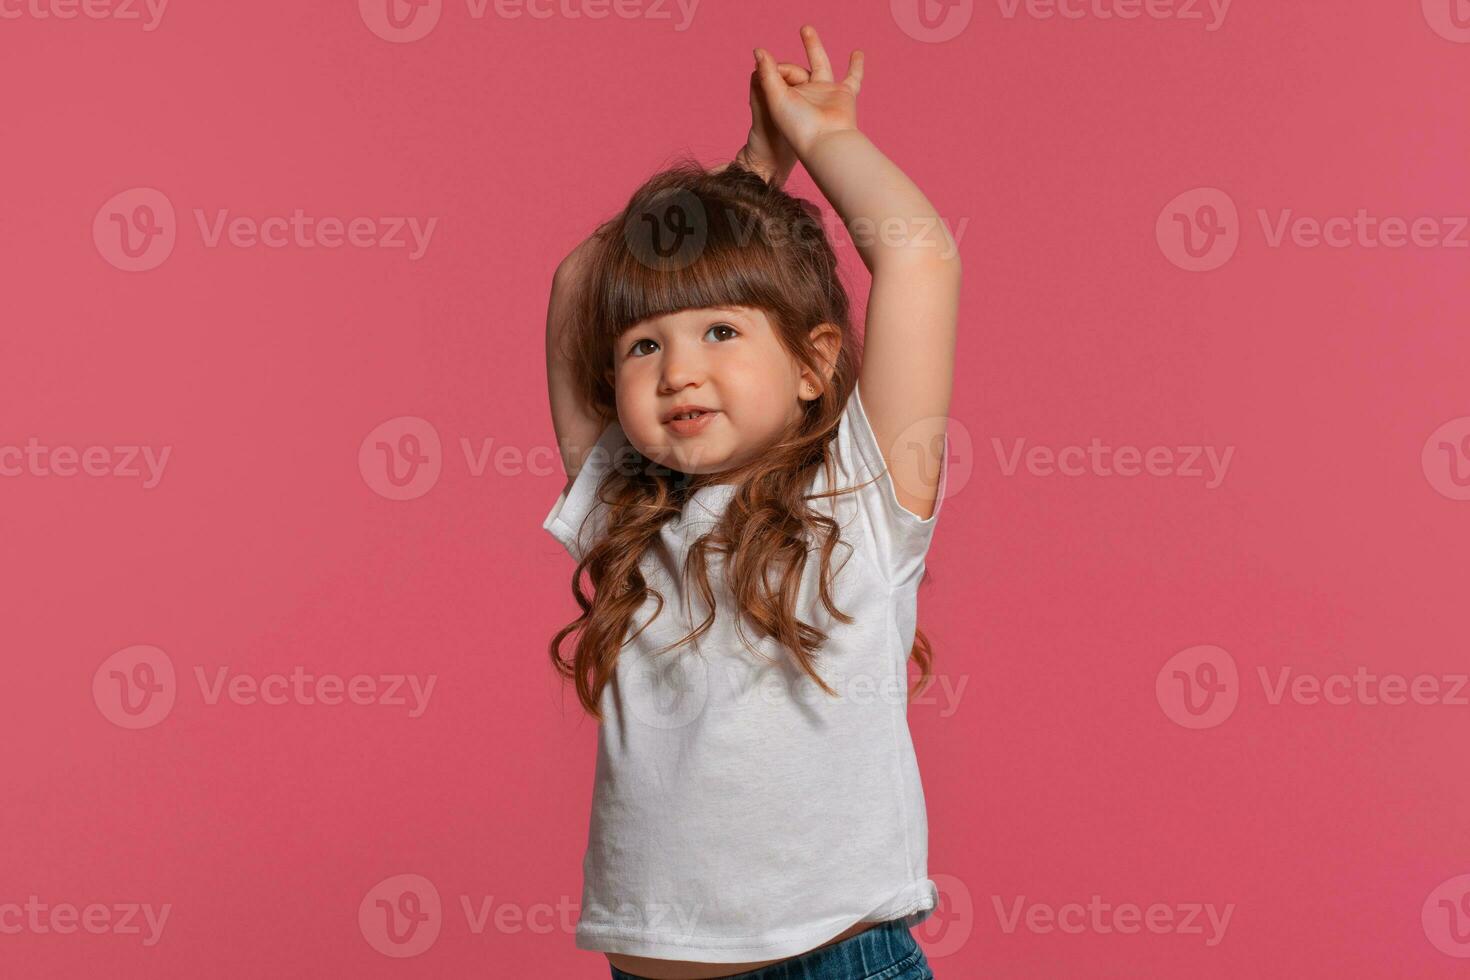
(576, 423)
(559, 306)
(889, 218)
(566, 286)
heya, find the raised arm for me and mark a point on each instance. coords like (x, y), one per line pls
(907, 375)
(577, 425)
(766, 152)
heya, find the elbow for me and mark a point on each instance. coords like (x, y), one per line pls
(932, 263)
(564, 275)
(953, 265)
(578, 261)
(947, 254)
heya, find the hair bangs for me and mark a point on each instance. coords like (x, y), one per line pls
(728, 264)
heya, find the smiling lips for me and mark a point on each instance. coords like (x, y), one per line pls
(689, 420)
(687, 408)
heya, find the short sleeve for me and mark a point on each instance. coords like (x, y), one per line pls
(900, 537)
(579, 516)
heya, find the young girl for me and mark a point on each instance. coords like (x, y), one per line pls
(757, 809)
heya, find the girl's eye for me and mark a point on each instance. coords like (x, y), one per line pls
(633, 351)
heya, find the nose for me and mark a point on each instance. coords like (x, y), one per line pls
(681, 368)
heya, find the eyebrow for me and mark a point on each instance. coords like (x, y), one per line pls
(732, 310)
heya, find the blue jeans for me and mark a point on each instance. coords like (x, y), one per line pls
(885, 952)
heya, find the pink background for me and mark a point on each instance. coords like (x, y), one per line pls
(1055, 600)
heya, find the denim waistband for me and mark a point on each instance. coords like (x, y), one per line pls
(885, 944)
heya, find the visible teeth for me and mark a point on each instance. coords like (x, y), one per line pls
(689, 415)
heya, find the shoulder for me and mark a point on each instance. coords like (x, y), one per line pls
(899, 537)
(579, 515)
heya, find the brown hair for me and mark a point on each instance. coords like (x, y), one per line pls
(692, 239)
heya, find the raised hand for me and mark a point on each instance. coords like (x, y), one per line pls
(804, 111)
(766, 151)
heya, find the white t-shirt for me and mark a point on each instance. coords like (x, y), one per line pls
(739, 812)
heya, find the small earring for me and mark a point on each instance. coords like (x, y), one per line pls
(809, 389)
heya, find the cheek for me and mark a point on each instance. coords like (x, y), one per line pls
(753, 367)
(635, 404)
(625, 379)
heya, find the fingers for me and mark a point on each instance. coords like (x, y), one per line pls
(794, 74)
(791, 74)
(854, 79)
(767, 75)
(816, 54)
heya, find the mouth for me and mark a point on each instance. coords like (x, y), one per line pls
(689, 420)
(687, 412)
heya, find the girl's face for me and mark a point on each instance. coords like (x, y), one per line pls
(727, 361)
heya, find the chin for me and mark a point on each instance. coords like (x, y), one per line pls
(699, 457)
(662, 454)
(701, 467)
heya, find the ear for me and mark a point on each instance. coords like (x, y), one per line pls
(827, 339)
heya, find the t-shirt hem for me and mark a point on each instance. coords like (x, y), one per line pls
(605, 939)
